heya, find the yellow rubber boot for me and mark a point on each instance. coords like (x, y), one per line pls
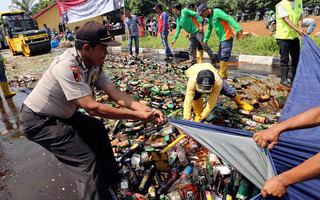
(6, 91)
(224, 69)
(241, 104)
(200, 56)
(198, 108)
(195, 55)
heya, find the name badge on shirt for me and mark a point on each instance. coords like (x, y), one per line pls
(76, 74)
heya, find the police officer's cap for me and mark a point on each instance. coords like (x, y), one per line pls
(97, 33)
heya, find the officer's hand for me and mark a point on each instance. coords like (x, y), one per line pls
(204, 43)
(172, 43)
(265, 137)
(274, 187)
(187, 36)
(301, 32)
(164, 37)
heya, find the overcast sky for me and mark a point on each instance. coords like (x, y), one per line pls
(5, 5)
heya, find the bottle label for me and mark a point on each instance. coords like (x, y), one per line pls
(145, 156)
(143, 182)
(258, 119)
(208, 195)
(152, 191)
(173, 159)
(245, 112)
(189, 195)
(124, 185)
(124, 143)
(134, 146)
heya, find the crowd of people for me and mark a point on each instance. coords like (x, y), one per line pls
(66, 35)
(50, 116)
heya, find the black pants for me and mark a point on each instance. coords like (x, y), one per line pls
(287, 47)
(194, 40)
(81, 143)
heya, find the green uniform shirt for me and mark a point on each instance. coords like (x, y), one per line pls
(184, 21)
(221, 22)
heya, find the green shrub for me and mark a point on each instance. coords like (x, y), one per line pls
(262, 46)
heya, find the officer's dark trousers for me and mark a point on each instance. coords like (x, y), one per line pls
(81, 143)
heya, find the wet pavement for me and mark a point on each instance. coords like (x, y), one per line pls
(28, 171)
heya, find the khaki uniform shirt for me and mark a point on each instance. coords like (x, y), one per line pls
(192, 73)
(65, 81)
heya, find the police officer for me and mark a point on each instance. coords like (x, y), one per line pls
(50, 118)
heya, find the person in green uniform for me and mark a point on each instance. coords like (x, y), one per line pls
(192, 6)
(289, 27)
(221, 22)
(196, 34)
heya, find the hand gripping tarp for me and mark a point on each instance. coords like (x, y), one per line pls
(294, 147)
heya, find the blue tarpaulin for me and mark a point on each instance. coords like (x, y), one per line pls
(294, 147)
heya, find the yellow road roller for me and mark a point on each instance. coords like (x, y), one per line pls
(21, 34)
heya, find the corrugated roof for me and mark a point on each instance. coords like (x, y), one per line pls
(43, 11)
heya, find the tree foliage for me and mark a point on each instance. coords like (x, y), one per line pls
(41, 5)
(311, 2)
(141, 7)
(26, 5)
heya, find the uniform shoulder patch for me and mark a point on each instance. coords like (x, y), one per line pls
(76, 74)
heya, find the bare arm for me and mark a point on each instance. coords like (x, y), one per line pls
(289, 22)
(300, 22)
(98, 109)
(307, 119)
(125, 100)
(308, 170)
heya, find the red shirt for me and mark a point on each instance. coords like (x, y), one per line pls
(162, 22)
